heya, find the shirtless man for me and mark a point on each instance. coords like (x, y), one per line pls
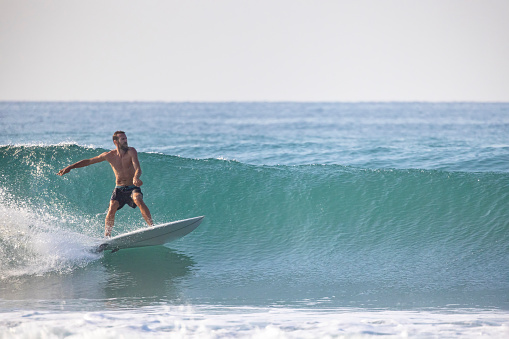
(125, 165)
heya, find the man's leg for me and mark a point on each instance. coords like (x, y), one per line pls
(138, 200)
(110, 218)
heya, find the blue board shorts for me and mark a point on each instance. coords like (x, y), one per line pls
(124, 195)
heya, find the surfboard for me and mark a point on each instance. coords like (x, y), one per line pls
(151, 236)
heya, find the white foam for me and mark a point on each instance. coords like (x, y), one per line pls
(248, 322)
(34, 144)
(35, 242)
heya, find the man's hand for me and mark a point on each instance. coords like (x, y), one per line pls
(137, 182)
(64, 171)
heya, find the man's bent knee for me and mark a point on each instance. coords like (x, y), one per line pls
(138, 199)
(113, 206)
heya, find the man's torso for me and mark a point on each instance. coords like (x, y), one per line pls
(122, 167)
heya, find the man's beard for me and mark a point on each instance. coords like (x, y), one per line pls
(124, 147)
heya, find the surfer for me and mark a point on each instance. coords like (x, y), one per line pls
(125, 165)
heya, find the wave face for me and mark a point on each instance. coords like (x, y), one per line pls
(334, 233)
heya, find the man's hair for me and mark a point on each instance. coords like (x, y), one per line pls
(115, 135)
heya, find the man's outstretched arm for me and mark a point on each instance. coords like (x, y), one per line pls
(83, 163)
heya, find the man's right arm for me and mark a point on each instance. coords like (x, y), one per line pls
(83, 163)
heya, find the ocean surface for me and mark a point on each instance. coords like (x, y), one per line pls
(322, 220)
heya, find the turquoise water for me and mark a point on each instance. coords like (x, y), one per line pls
(343, 214)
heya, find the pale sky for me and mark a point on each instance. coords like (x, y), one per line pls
(254, 50)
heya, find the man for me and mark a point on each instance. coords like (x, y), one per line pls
(125, 165)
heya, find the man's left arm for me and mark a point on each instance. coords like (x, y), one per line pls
(137, 167)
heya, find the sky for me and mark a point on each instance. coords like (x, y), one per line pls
(254, 50)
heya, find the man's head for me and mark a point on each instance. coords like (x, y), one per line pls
(120, 140)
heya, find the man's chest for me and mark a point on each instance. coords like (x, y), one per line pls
(122, 163)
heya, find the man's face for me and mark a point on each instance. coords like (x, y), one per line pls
(122, 141)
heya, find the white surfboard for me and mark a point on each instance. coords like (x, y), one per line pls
(151, 236)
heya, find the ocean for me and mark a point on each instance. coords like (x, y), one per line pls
(322, 220)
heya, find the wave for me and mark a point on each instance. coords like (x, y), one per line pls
(420, 228)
